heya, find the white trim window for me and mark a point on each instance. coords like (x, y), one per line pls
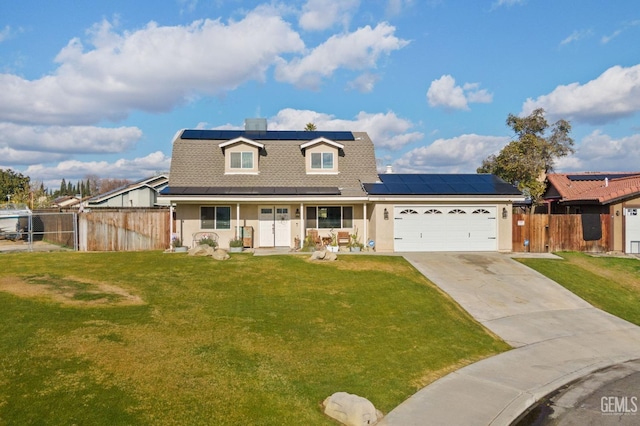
(241, 160)
(328, 217)
(322, 160)
(215, 217)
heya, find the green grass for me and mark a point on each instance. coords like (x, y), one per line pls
(252, 340)
(609, 283)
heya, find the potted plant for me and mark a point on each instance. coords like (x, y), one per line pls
(208, 241)
(236, 245)
(333, 246)
(354, 244)
(176, 242)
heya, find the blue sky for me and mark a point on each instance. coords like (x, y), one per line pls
(101, 87)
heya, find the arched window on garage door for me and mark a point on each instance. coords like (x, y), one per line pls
(433, 211)
(481, 211)
(457, 211)
(408, 211)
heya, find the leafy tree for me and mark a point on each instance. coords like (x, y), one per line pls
(14, 186)
(525, 160)
(310, 127)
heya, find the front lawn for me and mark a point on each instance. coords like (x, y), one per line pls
(153, 338)
(609, 283)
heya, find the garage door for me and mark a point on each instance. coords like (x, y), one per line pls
(445, 228)
(632, 230)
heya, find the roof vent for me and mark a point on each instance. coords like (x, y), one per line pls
(606, 181)
(389, 169)
(255, 124)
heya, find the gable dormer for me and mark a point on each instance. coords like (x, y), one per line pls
(321, 156)
(241, 156)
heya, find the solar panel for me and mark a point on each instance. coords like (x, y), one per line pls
(440, 184)
(599, 176)
(194, 134)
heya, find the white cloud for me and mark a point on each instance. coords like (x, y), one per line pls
(187, 6)
(507, 3)
(612, 95)
(443, 92)
(364, 83)
(600, 152)
(461, 154)
(357, 50)
(606, 39)
(322, 14)
(14, 157)
(396, 7)
(576, 36)
(5, 33)
(71, 139)
(387, 131)
(135, 169)
(153, 69)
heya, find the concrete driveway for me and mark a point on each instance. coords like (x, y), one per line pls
(557, 337)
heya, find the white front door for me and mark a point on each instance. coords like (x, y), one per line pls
(275, 226)
(282, 227)
(632, 230)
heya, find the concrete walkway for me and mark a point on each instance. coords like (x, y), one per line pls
(557, 337)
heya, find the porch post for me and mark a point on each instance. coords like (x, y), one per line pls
(170, 224)
(302, 230)
(238, 221)
(364, 217)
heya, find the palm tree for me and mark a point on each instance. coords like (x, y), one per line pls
(310, 127)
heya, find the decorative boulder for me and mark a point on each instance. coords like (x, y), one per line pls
(323, 255)
(351, 410)
(220, 254)
(201, 250)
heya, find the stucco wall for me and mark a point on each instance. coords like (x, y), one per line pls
(188, 222)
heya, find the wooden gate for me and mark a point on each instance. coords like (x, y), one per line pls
(124, 230)
(541, 233)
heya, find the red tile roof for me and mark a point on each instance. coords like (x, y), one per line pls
(578, 186)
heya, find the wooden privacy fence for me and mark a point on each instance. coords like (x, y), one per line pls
(541, 233)
(124, 230)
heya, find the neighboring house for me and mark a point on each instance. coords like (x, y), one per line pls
(283, 184)
(66, 202)
(143, 193)
(615, 194)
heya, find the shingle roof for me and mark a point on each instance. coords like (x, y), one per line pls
(600, 187)
(198, 162)
(151, 182)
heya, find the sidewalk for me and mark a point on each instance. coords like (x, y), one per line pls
(557, 338)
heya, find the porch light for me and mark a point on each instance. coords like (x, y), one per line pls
(297, 213)
(505, 213)
(386, 214)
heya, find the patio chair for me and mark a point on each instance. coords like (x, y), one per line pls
(343, 238)
(314, 237)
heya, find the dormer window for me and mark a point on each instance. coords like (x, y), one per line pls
(321, 156)
(241, 160)
(322, 160)
(241, 156)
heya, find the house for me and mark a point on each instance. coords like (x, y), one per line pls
(143, 193)
(66, 202)
(615, 194)
(277, 186)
